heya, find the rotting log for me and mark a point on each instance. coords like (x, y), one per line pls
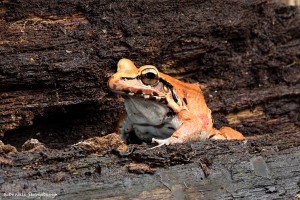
(256, 170)
(55, 58)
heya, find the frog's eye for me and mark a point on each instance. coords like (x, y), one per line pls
(149, 76)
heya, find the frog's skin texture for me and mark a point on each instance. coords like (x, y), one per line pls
(162, 109)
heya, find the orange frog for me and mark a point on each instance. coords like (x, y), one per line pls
(162, 109)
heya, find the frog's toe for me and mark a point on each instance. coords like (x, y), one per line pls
(167, 141)
(160, 142)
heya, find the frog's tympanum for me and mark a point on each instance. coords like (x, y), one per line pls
(162, 109)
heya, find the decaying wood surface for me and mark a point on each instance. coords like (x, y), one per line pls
(56, 57)
(203, 170)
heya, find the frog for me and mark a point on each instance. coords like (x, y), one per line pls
(162, 109)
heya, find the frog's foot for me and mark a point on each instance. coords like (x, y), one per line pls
(167, 141)
(226, 133)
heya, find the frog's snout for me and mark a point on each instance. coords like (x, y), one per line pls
(111, 83)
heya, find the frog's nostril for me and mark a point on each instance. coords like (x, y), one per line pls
(112, 84)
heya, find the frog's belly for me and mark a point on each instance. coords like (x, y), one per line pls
(165, 130)
(148, 119)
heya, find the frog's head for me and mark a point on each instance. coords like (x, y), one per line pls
(146, 82)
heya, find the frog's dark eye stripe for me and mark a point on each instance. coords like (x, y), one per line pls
(174, 95)
(166, 83)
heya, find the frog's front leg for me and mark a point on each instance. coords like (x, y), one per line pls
(191, 129)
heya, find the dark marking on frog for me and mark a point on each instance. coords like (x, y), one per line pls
(185, 101)
(139, 91)
(174, 95)
(152, 98)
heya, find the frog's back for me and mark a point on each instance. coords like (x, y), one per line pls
(191, 94)
(195, 100)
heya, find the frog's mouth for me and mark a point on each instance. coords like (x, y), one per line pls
(151, 97)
